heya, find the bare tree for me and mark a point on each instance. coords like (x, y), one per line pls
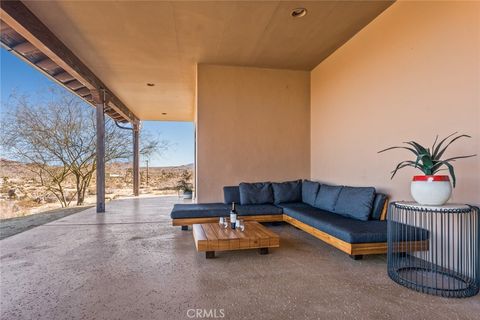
(57, 138)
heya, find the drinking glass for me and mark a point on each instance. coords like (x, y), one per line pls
(241, 225)
(222, 221)
(225, 223)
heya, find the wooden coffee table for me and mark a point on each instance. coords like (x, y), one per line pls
(211, 237)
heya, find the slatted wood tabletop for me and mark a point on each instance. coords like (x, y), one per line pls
(211, 237)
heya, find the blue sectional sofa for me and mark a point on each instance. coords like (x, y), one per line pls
(351, 219)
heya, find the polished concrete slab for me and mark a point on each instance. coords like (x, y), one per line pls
(130, 263)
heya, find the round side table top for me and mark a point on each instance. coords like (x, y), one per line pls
(445, 207)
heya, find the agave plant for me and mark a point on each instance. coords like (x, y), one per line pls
(429, 161)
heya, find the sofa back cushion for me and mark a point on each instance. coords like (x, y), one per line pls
(327, 197)
(231, 194)
(290, 191)
(309, 191)
(256, 193)
(378, 204)
(355, 202)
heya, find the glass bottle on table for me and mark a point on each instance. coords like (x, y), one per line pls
(233, 216)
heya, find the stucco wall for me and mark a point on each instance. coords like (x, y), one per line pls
(252, 125)
(410, 74)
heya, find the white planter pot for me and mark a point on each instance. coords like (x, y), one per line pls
(431, 190)
(187, 195)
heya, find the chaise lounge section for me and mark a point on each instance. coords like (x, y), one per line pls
(187, 214)
(352, 219)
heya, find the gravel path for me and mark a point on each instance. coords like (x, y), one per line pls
(10, 227)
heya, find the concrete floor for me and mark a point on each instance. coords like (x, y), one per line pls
(130, 263)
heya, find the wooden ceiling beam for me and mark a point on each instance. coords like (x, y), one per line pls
(89, 98)
(116, 117)
(25, 23)
(3, 26)
(25, 48)
(83, 92)
(47, 64)
(74, 85)
(64, 77)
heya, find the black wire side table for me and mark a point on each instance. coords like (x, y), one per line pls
(434, 249)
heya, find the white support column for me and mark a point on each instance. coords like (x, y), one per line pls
(136, 159)
(99, 98)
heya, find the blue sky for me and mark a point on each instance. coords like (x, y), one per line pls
(16, 75)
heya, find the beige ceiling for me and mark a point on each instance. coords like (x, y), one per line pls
(130, 43)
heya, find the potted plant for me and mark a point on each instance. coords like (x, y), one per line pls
(430, 188)
(187, 192)
(185, 186)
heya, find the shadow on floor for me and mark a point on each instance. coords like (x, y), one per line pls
(10, 227)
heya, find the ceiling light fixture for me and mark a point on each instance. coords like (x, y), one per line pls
(151, 84)
(299, 12)
(164, 113)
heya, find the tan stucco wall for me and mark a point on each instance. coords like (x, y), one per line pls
(252, 125)
(410, 74)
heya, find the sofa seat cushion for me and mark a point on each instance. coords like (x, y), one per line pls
(183, 210)
(294, 206)
(355, 202)
(346, 229)
(256, 193)
(349, 230)
(290, 191)
(258, 209)
(408, 233)
(205, 210)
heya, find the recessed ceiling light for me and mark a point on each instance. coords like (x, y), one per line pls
(299, 12)
(164, 113)
(151, 84)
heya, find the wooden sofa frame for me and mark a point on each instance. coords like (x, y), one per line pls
(355, 250)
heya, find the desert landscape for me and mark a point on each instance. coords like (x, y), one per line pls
(21, 193)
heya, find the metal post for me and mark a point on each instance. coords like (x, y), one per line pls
(99, 98)
(136, 159)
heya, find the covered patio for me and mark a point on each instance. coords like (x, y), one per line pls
(131, 264)
(267, 87)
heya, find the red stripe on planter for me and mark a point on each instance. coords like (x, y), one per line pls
(431, 178)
